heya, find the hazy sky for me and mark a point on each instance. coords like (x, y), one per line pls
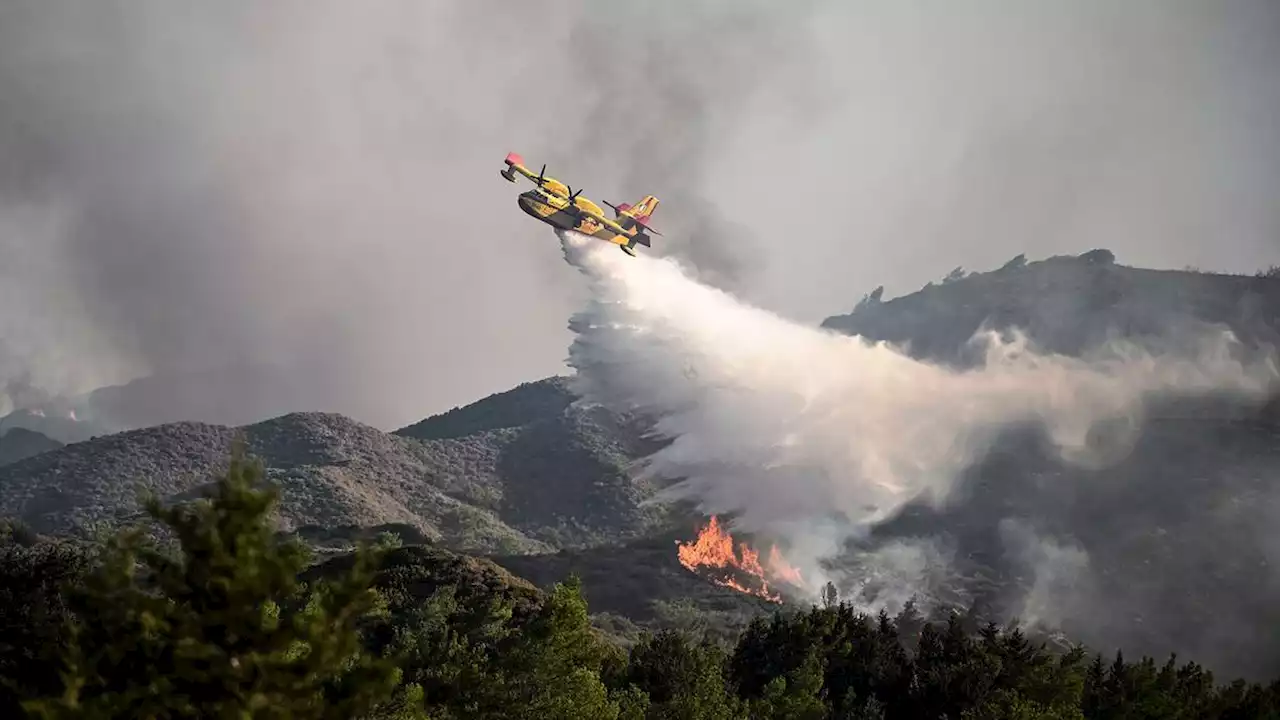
(315, 183)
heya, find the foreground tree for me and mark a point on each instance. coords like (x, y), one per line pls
(682, 680)
(33, 615)
(222, 628)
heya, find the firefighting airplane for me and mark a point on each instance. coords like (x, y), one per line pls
(558, 205)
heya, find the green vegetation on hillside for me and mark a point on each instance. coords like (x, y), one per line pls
(641, 585)
(521, 405)
(552, 477)
(231, 622)
(557, 471)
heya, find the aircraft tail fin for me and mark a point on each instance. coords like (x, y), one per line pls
(639, 213)
(641, 210)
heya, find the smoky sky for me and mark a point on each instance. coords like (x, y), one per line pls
(313, 186)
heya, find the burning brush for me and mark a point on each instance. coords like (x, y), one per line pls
(712, 556)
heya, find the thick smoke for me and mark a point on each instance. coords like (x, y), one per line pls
(295, 205)
(816, 437)
(306, 191)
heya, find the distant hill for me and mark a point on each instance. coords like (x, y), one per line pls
(21, 443)
(524, 404)
(62, 428)
(558, 481)
(332, 471)
(562, 467)
(1173, 543)
(1066, 304)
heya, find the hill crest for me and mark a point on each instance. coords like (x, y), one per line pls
(1067, 304)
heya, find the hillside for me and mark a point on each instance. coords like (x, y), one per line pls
(558, 481)
(522, 405)
(331, 470)
(1168, 550)
(643, 583)
(21, 443)
(1154, 552)
(62, 428)
(651, 595)
(1067, 304)
(561, 468)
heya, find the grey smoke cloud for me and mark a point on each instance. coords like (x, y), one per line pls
(1059, 573)
(309, 190)
(312, 186)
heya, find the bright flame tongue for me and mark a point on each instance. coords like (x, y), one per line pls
(713, 549)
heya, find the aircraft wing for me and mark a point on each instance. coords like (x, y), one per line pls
(515, 164)
(612, 225)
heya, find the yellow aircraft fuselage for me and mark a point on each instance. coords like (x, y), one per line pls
(553, 203)
(550, 209)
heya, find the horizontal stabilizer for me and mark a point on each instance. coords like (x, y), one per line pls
(645, 226)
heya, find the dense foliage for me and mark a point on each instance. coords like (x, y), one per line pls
(225, 618)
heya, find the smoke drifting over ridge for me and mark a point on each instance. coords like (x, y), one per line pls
(815, 437)
(291, 188)
(297, 184)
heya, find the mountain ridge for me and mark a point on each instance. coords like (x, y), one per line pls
(1067, 305)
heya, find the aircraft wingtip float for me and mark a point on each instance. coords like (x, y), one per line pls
(559, 206)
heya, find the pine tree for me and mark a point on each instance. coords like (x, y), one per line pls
(794, 696)
(223, 627)
(682, 680)
(830, 596)
(552, 669)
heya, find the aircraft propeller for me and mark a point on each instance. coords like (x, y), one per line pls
(542, 175)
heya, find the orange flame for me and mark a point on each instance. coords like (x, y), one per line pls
(714, 549)
(781, 568)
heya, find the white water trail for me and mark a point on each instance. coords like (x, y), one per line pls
(814, 436)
